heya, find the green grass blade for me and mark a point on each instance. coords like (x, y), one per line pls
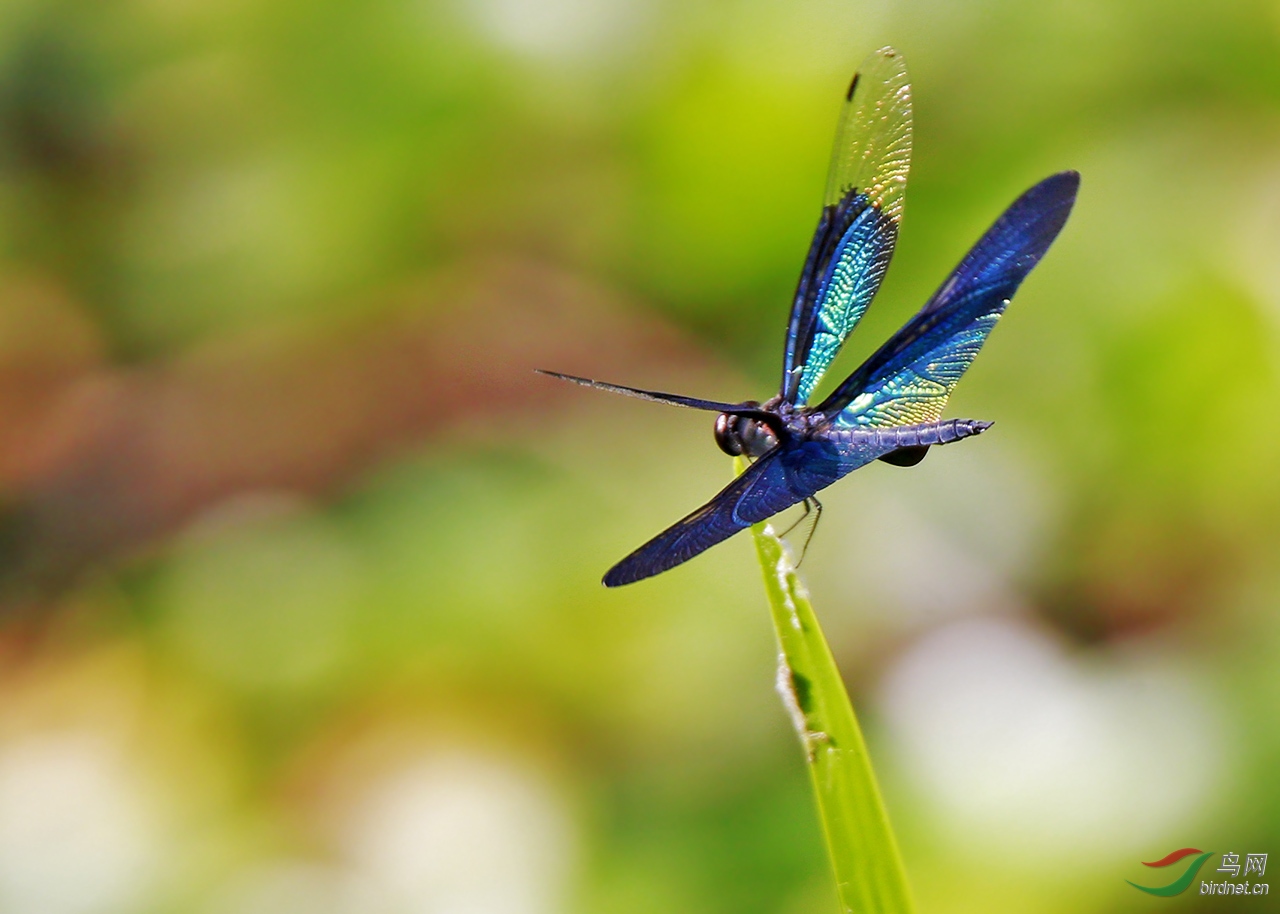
(868, 867)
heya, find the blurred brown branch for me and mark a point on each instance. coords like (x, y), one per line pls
(100, 461)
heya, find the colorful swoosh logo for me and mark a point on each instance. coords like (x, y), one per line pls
(1180, 884)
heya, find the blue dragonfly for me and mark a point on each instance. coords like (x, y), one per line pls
(890, 408)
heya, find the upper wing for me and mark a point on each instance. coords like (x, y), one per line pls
(910, 377)
(785, 476)
(859, 226)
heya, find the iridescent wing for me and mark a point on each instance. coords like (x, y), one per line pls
(861, 213)
(785, 476)
(910, 377)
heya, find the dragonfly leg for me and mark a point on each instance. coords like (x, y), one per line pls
(796, 523)
(813, 527)
(811, 506)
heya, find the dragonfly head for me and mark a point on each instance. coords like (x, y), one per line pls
(744, 435)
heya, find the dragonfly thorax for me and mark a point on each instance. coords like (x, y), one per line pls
(740, 436)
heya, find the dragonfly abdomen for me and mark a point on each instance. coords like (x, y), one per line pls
(924, 434)
(928, 433)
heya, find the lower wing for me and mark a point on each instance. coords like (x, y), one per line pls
(785, 476)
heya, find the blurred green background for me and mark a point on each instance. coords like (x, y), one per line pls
(299, 562)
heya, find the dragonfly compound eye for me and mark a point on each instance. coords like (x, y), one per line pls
(756, 438)
(728, 436)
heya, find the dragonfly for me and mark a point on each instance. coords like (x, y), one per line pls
(890, 407)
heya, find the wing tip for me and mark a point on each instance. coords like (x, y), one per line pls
(1044, 207)
(619, 575)
(561, 376)
(1070, 177)
(1065, 184)
(885, 55)
(888, 52)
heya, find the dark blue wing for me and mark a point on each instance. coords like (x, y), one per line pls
(910, 377)
(785, 476)
(856, 235)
